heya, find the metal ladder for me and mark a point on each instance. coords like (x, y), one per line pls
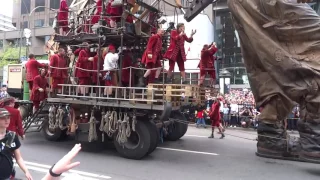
(35, 120)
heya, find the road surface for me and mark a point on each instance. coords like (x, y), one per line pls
(193, 157)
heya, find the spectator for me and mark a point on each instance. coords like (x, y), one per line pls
(200, 117)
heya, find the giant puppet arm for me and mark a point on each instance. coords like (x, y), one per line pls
(196, 7)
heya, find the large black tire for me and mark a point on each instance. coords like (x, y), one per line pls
(177, 129)
(24, 111)
(50, 135)
(138, 143)
(154, 136)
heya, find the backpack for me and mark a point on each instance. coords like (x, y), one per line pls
(10, 138)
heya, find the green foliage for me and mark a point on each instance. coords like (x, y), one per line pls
(43, 57)
(10, 55)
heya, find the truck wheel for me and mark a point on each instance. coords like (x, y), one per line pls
(138, 143)
(23, 112)
(154, 136)
(52, 135)
(177, 129)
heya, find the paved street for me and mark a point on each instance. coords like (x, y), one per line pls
(193, 157)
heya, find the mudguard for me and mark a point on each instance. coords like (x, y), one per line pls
(167, 108)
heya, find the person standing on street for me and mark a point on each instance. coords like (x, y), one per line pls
(15, 117)
(215, 118)
(9, 148)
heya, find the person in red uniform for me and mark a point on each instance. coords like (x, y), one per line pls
(95, 67)
(39, 93)
(176, 51)
(32, 69)
(15, 117)
(215, 118)
(126, 63)
(83, 64)
(63, 17)
(95, 18)
(117, 12)
(206, 63)
(58, 61)
(152, 56)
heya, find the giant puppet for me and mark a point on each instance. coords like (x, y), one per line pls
(176, 52)
(280, 43)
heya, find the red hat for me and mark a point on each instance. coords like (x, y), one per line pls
(5, 100)
(111, 47)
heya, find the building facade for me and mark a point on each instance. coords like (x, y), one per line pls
(228, 42)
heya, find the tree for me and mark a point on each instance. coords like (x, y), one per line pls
(10, 55)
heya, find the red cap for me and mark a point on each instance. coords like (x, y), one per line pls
(111, 47)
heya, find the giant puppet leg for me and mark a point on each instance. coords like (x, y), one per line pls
(280, 43)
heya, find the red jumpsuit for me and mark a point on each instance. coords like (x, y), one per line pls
(63, 15)
(32, 69)
(15, 121)
(36, 95)
(215, 114)
(58, 75)
(95, 67)
(154, 47)
(207, 62)
(95, 18)
(126, 63)
(176, 51)
(83, 63)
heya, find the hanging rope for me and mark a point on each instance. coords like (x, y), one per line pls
(124, 130)
(59, 119)
(111, 123)
(134, 122)
(93, 128)
(52, 115)
(103, 115)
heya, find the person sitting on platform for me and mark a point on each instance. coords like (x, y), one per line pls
(110, 64)
(38, 94)
(206, 63)
(152, 56)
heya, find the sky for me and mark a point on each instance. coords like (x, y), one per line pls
(6, 7)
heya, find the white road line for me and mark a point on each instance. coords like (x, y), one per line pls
(182, 150)
(45, 168)
(195, 136)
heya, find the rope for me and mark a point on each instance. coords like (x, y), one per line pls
(124, 129)
(93, 128)
(134, 122)
(111, 123)
(59, 119)
(102, 125)
(52, 111)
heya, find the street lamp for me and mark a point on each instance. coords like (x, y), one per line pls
(27, 35)
(224, 79)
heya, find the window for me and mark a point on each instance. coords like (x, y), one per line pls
(194, 78)
(40, 3)
(54, 4)
(39, 23)
(25, 6)
(24, 25)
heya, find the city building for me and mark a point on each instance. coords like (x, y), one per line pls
(6, 23)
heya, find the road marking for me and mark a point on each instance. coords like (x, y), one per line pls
(196, 136)
(45, 168)
(182, 150)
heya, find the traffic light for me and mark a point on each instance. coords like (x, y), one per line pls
(195, 8)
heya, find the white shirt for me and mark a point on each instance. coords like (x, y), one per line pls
(111, 61)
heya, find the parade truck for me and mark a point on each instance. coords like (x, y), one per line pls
(135, 118)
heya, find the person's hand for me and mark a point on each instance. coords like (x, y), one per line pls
(28, 175)
(40, 89)
(193, 32)
(150, 56)
(214, 44)
(65, 163)
(182, 33)
(100, 75)
(304, 1)
(49, 72)
(23, 137)
(90, 59)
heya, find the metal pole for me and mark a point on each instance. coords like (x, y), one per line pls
(121, 43)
